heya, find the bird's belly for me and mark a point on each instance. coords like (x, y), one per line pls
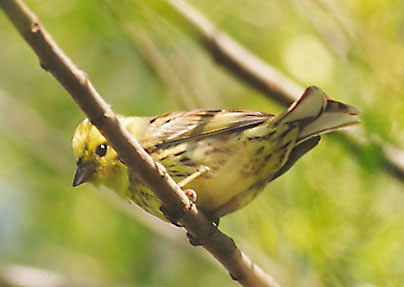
(238, 176)
(239, 166)
(230, 188)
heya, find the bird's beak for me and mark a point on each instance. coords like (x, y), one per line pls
(83, 173)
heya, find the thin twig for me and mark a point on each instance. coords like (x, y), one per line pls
(138, 161)
(262, 76)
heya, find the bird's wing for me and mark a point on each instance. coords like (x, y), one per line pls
(178, 127)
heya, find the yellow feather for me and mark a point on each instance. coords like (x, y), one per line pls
(239, 152)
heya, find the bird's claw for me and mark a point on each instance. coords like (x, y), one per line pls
(191, 194)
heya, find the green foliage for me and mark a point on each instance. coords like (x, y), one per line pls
(335, 219)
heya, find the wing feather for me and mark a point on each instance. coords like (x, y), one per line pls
(178, 127)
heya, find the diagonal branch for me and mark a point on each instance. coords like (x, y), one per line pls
(138, 161)
(260, 75)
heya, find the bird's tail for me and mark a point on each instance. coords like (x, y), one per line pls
(317, 114)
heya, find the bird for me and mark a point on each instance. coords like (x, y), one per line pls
(221, 158)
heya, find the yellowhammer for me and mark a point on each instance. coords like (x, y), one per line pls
(226, 157)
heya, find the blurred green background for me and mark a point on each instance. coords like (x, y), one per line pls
(335, 219)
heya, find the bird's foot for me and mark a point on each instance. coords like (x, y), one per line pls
(200, 171)
(191, 194)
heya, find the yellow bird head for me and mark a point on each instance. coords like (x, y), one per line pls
(96, 160)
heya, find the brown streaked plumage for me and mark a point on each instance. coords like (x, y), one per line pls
(228, 155)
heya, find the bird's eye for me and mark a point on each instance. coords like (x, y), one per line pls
(101, 150)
